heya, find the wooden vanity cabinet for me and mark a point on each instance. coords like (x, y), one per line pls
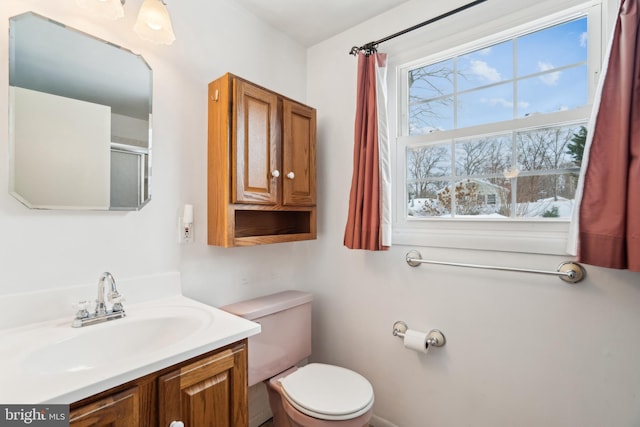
(205, 391)
(261, 166)
(121, 409)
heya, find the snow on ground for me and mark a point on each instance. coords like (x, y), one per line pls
(526, 210)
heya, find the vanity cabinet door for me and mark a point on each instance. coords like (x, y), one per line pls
(118, 410)
(211, 392)
(298, 154)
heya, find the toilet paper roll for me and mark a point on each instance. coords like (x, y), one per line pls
(416, 340)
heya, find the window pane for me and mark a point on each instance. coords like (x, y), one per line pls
(553, 91)
(490, 105)
(549, 148)
(429, 204)
(429, 116)
(484, 156)
(553, 47)
(486, 66)
(546, 196)
(431, 81)
(430, 100)
(428, 162)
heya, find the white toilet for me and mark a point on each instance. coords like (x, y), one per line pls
(315, 395)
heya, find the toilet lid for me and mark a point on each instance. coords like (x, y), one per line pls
(328, 392)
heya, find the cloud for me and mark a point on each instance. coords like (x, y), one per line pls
(484, 71)
(583, 39)
(550, 79)
(501, 102)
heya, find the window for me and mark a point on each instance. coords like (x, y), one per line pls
(491, 135)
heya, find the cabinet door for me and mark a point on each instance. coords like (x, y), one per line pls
(211, 392)
(298, 154)
(120, 410)
(255, 145)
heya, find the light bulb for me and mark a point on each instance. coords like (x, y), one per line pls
(154, 20)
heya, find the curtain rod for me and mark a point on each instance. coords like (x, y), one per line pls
(371, 46)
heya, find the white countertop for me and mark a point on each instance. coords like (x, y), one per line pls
(36, 365)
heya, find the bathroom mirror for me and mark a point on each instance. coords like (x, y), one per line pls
(79, 119)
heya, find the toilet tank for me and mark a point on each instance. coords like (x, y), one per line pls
(285, 340)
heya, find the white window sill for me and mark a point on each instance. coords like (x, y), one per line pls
(534, 237)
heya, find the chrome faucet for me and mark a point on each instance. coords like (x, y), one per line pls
(101, 313)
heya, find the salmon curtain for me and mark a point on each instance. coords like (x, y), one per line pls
(606, 222)
(369, 219)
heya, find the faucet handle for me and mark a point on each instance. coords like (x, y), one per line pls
(117, 302)
(115, 298)
(82, 308)
(81, 305)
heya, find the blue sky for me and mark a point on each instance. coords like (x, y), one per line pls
(487, 76)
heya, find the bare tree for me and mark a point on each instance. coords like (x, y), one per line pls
(429, 79)
(544, 150)
(423, 163)
(486, 156)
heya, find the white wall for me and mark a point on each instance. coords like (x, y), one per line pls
(522, 350)
(47, 249)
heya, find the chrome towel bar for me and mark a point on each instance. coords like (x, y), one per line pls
(569, 271)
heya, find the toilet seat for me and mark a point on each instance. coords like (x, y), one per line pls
(328, 392)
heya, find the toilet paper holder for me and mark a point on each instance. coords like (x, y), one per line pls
(435, 337)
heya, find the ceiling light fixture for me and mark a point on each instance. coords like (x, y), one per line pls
(153, 23)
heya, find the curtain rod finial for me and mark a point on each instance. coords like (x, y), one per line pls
(354, 50)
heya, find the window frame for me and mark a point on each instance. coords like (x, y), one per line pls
(528, 235)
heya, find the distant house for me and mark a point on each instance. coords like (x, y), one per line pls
(476, 196)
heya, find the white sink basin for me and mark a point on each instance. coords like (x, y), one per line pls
(95, 346)
(51, 362)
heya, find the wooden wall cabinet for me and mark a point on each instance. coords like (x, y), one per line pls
(206, 391)
(261, 166)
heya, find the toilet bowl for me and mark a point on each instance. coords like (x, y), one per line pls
(314, 395)
(319, 395)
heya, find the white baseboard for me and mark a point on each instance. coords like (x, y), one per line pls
(259, 409)
(376, 421)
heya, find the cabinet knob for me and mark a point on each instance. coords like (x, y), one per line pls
(291, 175)
(176, 424)
(275, 173)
